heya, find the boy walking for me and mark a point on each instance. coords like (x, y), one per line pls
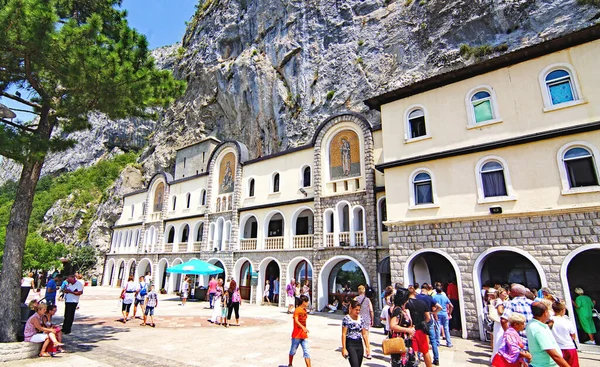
(564, 334)
(151, 303)
(300, 332)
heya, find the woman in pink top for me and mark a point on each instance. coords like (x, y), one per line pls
(511, 353)
(212, 290)
(36, 332)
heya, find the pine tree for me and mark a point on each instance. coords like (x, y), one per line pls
(67, 58)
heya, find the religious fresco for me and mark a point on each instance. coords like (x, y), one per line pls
(159, 194)
(227, 173)
(344, 156)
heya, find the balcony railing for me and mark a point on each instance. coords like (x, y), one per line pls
(154, 217)
(345, 238)
(359, 238)
(329, 240)
(303, 241)
(249, 244)
(274, 243)
(168, 247)
(197, 246)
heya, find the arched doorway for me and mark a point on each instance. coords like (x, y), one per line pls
(162, 275)
(109, 272)
(336, 274)
(245, 280)
(121, 273)
(385, 276)
(431, 266)
(491, 266)
(301, 270)
(144, 267)
(175, 279)
(132, 267)
(579, 271)
(268, 270)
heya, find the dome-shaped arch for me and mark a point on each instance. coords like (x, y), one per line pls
(324, 273)
(262, 273)
(144, 265)
(109, 272)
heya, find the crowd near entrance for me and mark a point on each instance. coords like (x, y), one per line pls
(340, 277)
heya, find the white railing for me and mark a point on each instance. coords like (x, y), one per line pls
(359, 238)
(247, 245)
(344, 237)
(274, 243)
(303, 241)
(197, 247)
(168, 247)
(329, 240)
(154, 217)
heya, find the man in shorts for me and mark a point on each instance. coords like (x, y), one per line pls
(300, 332)
(420, 315)
(140, 295)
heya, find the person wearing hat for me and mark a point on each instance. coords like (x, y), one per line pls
(583, 307)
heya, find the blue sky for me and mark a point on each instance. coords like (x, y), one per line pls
(162, 21)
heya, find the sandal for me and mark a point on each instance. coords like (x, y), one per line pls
(143, 324)
(44, 355)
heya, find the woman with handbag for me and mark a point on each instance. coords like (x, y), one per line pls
(354, 334)
(399, 344)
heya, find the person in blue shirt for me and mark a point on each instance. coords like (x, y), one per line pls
(434, 331)
(51, 290)
(443, 319)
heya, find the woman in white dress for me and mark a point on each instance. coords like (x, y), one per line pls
(216, 315)
(498, 304)
(266, 293)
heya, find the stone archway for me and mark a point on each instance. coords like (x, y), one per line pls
(433, 265)
(527, 261)
(144, 266)
(269, 269)
(161, 276)
(336, 270)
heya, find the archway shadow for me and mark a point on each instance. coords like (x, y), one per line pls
(479, 357)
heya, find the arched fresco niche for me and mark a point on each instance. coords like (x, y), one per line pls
(344, 155)
(227, 173)
(159, 194)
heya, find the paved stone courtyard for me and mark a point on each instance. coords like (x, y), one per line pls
(184, 337)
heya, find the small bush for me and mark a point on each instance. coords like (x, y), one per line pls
(359, 60)
(254, 52)
(467, 51)
(360, 43)
(330, 95)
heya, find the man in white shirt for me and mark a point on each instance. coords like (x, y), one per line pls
(73, 290)
(148, 279)
(140, 296)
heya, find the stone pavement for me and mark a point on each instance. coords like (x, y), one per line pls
(183, 337)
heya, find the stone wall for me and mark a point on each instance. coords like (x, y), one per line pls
(544, 239)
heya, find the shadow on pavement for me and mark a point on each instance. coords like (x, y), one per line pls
(86, 334)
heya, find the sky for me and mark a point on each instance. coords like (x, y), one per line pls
(161, 21)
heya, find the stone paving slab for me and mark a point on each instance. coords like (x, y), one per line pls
(183, 337)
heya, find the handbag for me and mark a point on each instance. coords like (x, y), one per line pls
(393, 346)
(493, 313)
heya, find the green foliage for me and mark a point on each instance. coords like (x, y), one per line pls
(70, 58)
(254, 52)
(330, 95)
(41, 254)
(467, 51)
(180, 53)
(83, 259)
(360, 43)
(408, 2)
(86, 185)
(359, 60)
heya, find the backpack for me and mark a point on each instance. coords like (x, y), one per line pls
(370, 292)
(143, 290)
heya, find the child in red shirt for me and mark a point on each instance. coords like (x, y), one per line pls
(300, 332)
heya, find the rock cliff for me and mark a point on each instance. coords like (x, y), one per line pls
(268, 72)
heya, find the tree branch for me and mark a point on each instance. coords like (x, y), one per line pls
(28, 111)
(15, 125)
(21, 100)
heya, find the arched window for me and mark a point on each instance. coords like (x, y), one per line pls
(200, 233)
(171, 236)
(251, 188)
(174, 202)
(383, 215)
(276, 182)
(203, 197)
(423, 189)
(185, 234)
(492, 179)
(416, 124)
(482, 107)
(132, 210)
(306, 177)
(559, 86)
(580, 167)
(188, 197)
(218, 208)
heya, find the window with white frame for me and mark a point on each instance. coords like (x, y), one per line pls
(492, 179)
(415, 124)
(251, 188)
(306, 176)
(482, 107)
(276, 182)
(423, 189)
(580, 167)
(559, 86)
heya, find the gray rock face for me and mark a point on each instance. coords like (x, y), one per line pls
(267, 73)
